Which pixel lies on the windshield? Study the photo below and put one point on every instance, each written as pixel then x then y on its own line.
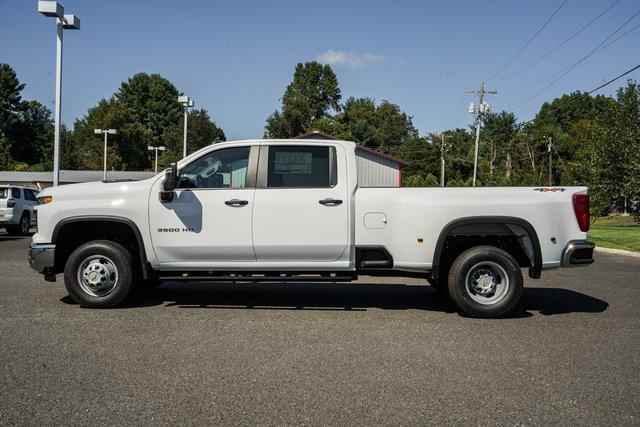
pixel 3 192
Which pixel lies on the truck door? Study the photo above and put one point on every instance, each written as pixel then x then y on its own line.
pixel 209 219
pixel 300 204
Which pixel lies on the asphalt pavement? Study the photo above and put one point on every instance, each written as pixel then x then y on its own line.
pixel 378 351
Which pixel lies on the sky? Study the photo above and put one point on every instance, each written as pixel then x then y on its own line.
pixel 235 58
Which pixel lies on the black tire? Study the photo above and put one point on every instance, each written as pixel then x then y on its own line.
pixel 492 263
pixel 24 227
pixel 110 255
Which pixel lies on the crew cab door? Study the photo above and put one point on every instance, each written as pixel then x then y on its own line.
pixel 209 219
pixel 301 208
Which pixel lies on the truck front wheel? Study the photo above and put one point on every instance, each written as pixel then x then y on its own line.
pixel 485 281
pixel 99 274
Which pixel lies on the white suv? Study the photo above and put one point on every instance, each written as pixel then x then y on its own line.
pixel 16 209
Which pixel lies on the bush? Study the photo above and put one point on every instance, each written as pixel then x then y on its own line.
pixel 413 181
pixel 431 181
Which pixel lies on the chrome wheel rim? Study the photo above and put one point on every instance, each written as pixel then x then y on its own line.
pixel 24 224
pixel 97 276
pixel 487 283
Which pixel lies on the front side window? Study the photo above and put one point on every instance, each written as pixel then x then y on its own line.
pixel 29 195
pixel 301 167
pixel 15 193
pixel 226 168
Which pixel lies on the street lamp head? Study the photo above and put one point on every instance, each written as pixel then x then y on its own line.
pixel 185 101
pixel 51 9
pixel 97 131
pixel 112 131
pixel 161 148
pixel 150 148
pixel 71 22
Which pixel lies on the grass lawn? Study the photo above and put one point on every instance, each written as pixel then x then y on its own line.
pixel 603 221
pixel 627 238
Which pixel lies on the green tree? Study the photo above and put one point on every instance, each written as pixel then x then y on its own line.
pixel 33 135
pixel 312 95
pixel 382 126
pixel 416 180
pixel 11 104
pixel 499 140
pixel 26 129
pixel 201 131
pixel 608 154
pixel 331 126
pixel 145 112
pixel 5 152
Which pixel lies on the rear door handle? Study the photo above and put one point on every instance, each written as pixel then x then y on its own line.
pixel 330 202
pixel 236 202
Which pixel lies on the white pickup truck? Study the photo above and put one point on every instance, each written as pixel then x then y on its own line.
pixel 291 210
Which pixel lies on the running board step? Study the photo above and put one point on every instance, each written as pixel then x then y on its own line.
pixel 257 277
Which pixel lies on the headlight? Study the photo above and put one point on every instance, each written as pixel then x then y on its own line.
pixel 45 200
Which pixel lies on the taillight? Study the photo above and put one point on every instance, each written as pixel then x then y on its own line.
pixel 581 209
pixel 11 203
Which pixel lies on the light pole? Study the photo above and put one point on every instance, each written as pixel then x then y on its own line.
pixel 54 9
pixel 186 103
pixel 105 132
pixel 156 149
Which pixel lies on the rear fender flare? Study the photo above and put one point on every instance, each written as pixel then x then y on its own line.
pixel 534 271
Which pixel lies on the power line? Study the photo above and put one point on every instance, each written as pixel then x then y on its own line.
pixel 613 80
pixel 528 41
pixel 456 112
pixel 548 76
pixel 561 44
pixel 575 64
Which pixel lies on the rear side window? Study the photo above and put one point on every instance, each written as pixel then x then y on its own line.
pixel 3 193
pixel 29 195
pixel 15 193
pixel 301 167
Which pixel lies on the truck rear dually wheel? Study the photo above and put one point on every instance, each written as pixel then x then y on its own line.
pixel 485 281
pixel 99 274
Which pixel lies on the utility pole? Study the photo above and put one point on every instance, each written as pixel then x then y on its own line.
pixel 550 160
pixel 442 159
pixel 479 110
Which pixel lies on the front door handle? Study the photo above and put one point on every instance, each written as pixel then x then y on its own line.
pixel 330 202
pixel 236 202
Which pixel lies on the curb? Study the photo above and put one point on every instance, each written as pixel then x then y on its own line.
pixel 618 252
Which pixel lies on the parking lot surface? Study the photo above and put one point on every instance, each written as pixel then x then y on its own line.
pixel 378 351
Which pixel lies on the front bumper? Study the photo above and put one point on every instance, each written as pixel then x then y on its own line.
pixel 577 253
pixel 41 257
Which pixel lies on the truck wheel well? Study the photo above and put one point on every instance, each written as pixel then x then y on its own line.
pixel 70 234
pixel 514 235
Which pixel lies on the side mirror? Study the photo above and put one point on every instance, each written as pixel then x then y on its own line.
pixel 171 177
pixel 170 183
